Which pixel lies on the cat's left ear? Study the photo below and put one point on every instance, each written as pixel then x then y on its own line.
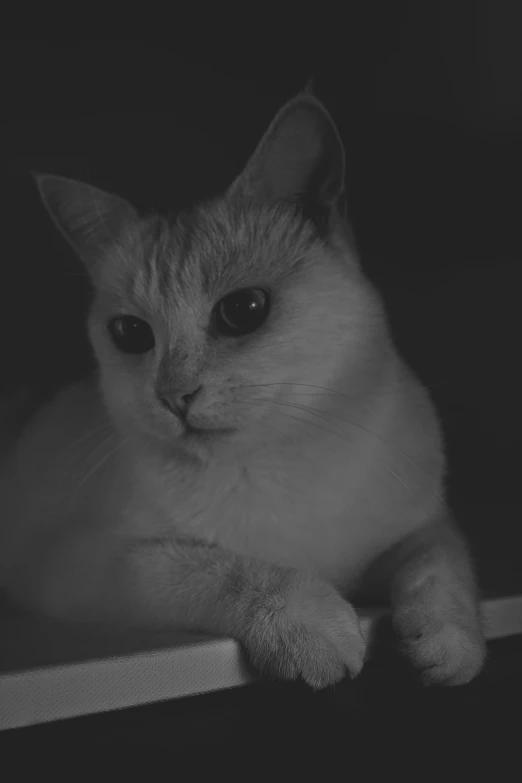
pixel 88 217
pixel 300 159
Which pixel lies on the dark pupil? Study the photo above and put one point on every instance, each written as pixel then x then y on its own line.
pixel 131 335
pixel 242 312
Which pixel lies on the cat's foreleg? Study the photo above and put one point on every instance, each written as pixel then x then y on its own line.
pixel 434 604
pixel 290 623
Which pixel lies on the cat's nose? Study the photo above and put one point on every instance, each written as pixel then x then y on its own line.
pixel 179 401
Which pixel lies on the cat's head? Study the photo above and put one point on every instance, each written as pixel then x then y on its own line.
pixel 217 325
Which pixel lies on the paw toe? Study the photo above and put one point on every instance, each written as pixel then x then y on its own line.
pixel 452 656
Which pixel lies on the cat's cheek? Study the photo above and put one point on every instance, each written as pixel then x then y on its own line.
pixel 124 402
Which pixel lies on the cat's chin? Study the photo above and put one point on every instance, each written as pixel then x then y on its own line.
pixel 200 444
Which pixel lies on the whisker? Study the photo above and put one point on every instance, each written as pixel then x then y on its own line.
pixel 85 440
pixel 329 392
pixel 313 413
pixel 307 409
pixel 310 410
pixel 86 454
pixel 311 424
pixel 325 389
pixel 104 459
pixel 294 418
pixel 349 422
pixel 395 476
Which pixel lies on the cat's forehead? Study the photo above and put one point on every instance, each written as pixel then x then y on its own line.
pixel 216 248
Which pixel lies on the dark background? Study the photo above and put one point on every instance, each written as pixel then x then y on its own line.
pixel 428 100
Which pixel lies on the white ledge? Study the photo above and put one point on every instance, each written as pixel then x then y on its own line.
pixel 49 672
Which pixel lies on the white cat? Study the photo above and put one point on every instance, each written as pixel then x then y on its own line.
pixel 253 450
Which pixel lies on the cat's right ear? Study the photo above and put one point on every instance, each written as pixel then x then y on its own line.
pixel 300 160
pixel 88 217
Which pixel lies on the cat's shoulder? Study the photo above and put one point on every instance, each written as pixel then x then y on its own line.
pixel 64 411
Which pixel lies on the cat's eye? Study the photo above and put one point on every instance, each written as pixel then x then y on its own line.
pixel 241 312
pixel 131 334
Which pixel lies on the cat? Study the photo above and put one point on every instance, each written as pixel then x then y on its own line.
pixel 252 451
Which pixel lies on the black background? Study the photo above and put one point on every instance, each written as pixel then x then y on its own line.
pixel 428 100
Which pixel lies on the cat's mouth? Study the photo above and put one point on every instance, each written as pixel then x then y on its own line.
pixel 190 431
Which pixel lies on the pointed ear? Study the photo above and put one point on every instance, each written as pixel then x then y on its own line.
pixel 309 88
pixel 89 218
pixel 300 159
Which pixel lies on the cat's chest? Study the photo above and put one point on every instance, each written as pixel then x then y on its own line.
pixel 325 518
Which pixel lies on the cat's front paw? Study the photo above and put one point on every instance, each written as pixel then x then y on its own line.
pixel 447 651
pixel 313 633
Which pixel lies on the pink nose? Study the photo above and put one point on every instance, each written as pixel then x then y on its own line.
pixel 178 401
